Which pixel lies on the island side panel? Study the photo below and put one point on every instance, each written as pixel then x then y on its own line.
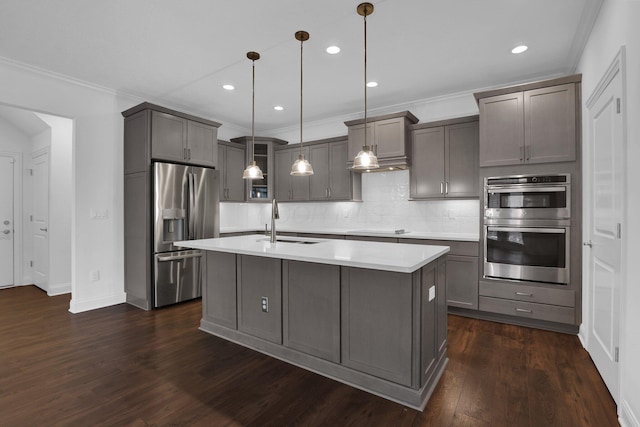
pixel 258 278
pixel 311 308
pixel 219 292
pixel 441 310
pixel 377 317
pixel 427 324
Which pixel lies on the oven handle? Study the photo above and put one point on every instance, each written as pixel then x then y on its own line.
pixel 527 189
pixel 529 230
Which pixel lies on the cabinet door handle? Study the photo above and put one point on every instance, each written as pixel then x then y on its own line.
pixel 523 294
pixel 446 187
pixel 521 154
pixel 326 193
pixel 527 152
pixel 184 153
pixel 441 190
pixel 522 310
pixel 329 191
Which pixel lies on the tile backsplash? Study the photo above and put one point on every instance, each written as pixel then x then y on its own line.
pixel 384 206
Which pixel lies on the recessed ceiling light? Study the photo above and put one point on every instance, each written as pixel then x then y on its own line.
pixel 228 87
pixel 278 108
pixel 372 84
pixel 333 50
pixel 519 49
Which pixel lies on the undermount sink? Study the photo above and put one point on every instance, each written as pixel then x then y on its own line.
pixel 304 242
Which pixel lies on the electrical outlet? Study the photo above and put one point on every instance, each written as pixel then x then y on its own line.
pixel 94 275
pixel 265 304
pixel 432 293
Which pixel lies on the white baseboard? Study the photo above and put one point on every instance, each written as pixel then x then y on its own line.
pixel 59 289
pixel 582 335
pixel 626 417
pixel 76 306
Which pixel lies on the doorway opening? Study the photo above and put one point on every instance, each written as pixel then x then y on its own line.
pixel 36 150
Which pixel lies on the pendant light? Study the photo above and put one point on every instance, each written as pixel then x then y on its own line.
pixel 365 159
pixel 301 167
pixel 253 170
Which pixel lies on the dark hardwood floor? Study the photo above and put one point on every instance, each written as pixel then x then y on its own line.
pixel 124 366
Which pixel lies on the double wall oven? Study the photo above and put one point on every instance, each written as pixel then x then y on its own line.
pixel 526 232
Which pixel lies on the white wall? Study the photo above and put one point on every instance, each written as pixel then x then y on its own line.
pixel 617 25
pixel 60 187
pixel 13 140
pixel 96 174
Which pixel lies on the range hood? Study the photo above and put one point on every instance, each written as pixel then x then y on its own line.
pixel 388 135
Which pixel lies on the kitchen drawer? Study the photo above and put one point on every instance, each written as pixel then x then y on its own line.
pixel 456 247
pixel 535 294
pixel 551 313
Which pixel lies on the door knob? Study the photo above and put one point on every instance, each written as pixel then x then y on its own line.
pixel 588 244
pixel 6 231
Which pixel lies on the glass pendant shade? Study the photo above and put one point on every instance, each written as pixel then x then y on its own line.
pixel 301 167
pixel 365 159
pixel 252 172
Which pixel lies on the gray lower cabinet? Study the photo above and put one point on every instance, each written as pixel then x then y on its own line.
pixel 533 123
pixel 462 271
pixel 288 187
pixel 311 308
pixel 259 287
pixel 445 159
pixel 376 325
pixel 231 158
pixel 219 294
pixel 540 302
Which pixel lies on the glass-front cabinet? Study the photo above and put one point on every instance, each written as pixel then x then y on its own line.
pixel 260 190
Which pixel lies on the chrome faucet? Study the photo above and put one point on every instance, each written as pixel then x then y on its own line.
pixel 274 215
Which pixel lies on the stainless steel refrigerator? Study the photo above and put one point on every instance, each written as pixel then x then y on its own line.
pixel 185 207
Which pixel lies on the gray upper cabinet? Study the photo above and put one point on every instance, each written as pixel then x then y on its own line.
pixel 388 135
pixel 181 140
pixel 288 187
pixel 445 159
pixel 260 190
pixel 157 133
pixel 536 125
pixel 331 179
pixel 231 158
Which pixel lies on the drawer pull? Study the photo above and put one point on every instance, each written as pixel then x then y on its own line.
pixel 523 294
pixel 523 310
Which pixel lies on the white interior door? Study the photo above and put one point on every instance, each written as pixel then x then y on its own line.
pixel 7 163
pixel 40 223
pixel 606 214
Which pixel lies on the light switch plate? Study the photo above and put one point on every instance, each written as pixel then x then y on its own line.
pixel 432 293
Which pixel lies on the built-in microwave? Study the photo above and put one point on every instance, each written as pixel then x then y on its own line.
pixel 536 251
pixel 528 197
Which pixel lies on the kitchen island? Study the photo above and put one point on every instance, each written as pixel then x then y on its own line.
pixel 368 314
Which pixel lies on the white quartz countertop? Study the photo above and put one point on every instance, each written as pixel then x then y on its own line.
pixel 398 257
pixel 408 234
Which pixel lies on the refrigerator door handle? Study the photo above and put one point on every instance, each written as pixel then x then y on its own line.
pixel 192 208
pixel 180 257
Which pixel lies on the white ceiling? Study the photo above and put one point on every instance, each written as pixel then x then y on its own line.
pixel 179 53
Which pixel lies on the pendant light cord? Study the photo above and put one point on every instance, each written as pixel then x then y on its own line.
pixel 253 109
pixel 365 79
pixel 301 43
